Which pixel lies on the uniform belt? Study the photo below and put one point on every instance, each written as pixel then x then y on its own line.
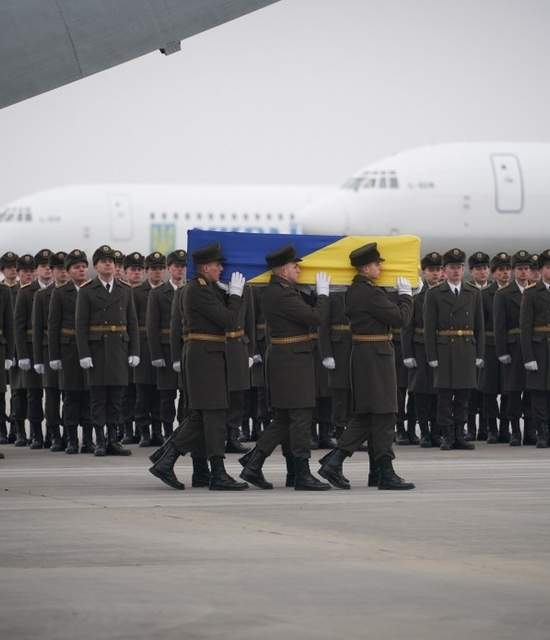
pixel 396 331
pixel 261 327
pixel 456 332
pixel 340 327
pixel 204 337
pixel 545 328
pixel 28 332
pixel 491 334
pixel 68 332
pixel 107 328
pixel 292 339
pixel 314 336
pixel 372 337
pixel 419 331
pixel 165 332
pixel 514 332
pixel 235 334
pixel 142 329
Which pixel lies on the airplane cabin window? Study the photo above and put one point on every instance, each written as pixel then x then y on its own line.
pixel 382 182
pixel 199 216
pixel 187 215
pixel 394 183
pixel 233 216
pixel 151 216
pixel 176 216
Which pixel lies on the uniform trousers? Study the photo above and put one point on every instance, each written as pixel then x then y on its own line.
pixel 76 408
pixel 452 406
pixel 168 405
pixel 341 408
pixel 235 413
pixel 202 429
pixel 292 425
pixel 35 412
pixel 52 406
pixel 106 404
pixel 18 404
pixel 129 403
pixel 377 428
pixel 514 404
pixel 147 408
pixel 425 406
pixel 540 405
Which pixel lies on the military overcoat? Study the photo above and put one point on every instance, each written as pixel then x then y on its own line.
pixel 335 335
pixel 491 377
pixel 40 312
pixel 535 335
pixel 506 310
pixel 6 333
pixel 23 333
pixel 144 372
pixel 159 309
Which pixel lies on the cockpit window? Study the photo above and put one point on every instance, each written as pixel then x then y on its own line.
pixel 373 180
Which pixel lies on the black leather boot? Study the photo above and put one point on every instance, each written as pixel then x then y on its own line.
pixel 304 481
pixel 515 440
pixel 492 431
pixel 435 433
pixel 87 439
pixel 37 436
pixel 163 469
pixel 156 434
pixel 326 441
pixel 447 438
pixel 3 433
pixel 100 444
pixel 425 438
pixel 158 453
pixel 145 433
pixel 401 434
pixel 21 440
pixel 529 432
pixel 290 470
pixel 47 438
pixel 114 448
pixel 460 442
pixel 232 444
pixel 542 436
pixel 314 440
pixel 374 472
pixel 57 444
pixel 471 432
pixel 220 480
pixel 504 431
pixel 253 473
pixel 331 468
pixel 128 433
pixel 245 431
pixel 201 472
pixel 411 432
pixel 389 480
pixel 119 432
pixel 72 440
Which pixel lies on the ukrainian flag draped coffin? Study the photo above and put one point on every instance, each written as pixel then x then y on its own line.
pixel 245 252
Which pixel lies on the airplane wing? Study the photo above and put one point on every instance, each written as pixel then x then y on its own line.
pixel 45 44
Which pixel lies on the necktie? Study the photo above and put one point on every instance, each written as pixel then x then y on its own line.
pixel 108 287
pixel 456 291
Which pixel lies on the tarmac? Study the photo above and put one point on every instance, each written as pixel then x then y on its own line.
pixel 94 548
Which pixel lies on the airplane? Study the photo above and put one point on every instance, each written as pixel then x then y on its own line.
pixel 45 44
pixel 489 196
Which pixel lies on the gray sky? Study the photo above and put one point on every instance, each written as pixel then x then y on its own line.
pixel 304 91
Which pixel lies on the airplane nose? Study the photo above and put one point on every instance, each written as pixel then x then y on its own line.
pixel 326 218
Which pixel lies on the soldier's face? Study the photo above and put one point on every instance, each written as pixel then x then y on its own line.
pixel 521 272
pixel 432 275
pixel 480 274
pixel 502 275
pixel 44 272
pixel 78 272
pixel 25 276
pixel 545 272
pixel 372 270
pixel 212 271
pixel 454 272
pixel 134 275
pixel 177 272
pixel 534 274
pixel 118 270
pixel 105 268
pixel 155 275
pixel 60 275
pixel 10 273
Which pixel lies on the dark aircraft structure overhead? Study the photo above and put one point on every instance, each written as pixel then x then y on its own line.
pixel 45 44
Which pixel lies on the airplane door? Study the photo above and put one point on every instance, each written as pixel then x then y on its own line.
pixel 121 217
pixel 508 183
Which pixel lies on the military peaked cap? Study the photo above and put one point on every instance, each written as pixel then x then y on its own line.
pixel 365 255
pixel 209 253
pixel 103 253
pixel 42 257
pixel 74 257
pixel 179 256
pixel 544 258
pixel 454 256
pixel 433 259
pixel 57 259
pixel 478 259
pixel 134 259
pixel 155 259
pixel 501 259
pixel 283 255
pixel 25 262
pixel 9 259
pixel 521 257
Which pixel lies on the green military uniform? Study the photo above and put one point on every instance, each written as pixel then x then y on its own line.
pixel 6 353
pixel 7 260
pixel 455 340
pixel 259 411
pixel 107 332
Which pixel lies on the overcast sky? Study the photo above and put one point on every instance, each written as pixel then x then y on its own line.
pixel 304 91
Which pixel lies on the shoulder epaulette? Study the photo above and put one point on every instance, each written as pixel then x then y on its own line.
pixel 23 286
pixel 10 286
pixel 85 284
pixel 124 282
pixel 202 282
pixel 530 286
pixel 59 286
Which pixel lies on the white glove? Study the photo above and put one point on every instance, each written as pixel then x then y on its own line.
pixel 8 364
pixel 56 365
pixel 531 365
pixel 480 363
pixel 39 368
pixel 250 362
pixel 176 366
pixel 133 361
pixel 505 359
pixel 159 364
pixel 223 286
pixel 25 364
pixel 404 287
pixel 419 288
pixel 434 364
pixel 410 363
pixel 86 363
pixel 322 283
pixel 236 284
pixel 329 363
pixel 257 359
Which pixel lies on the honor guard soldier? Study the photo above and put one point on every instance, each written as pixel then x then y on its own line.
pixel 535 346
pixel 259 410
pixel 455 343
pixel 206 320
pixel 32 381
pixel 491 375
pixel 63 355
pixel 506 311
pixel 534 268
pixel 118 258
pixel 290 369
pixel 108 341
pixel 147 410
pixel 159 309
pixel 373 373
pixel 8 267
pixel 134 269
pixel 50 377
pixel 414 355
pixel 25 273
pixel 6 353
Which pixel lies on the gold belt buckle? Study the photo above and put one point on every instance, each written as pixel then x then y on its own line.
pixel 460 332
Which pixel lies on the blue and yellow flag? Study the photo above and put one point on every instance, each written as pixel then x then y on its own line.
pixel 245 252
